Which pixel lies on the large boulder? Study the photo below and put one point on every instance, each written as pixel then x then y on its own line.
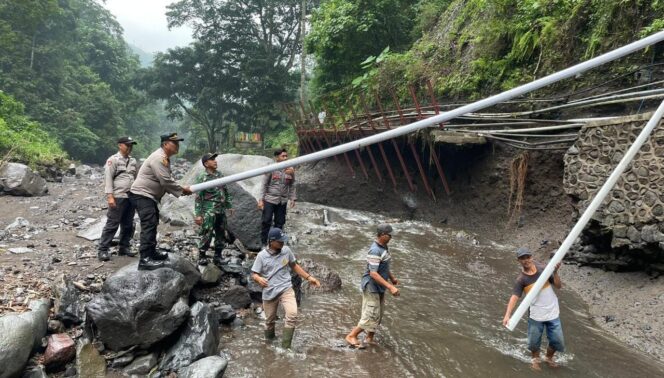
pixel 143 307
pixel 208 367
pixel 246 224
pixel 330 281
pixel 237 296
pixel 198 339
pixel 19 180
pixel 20 334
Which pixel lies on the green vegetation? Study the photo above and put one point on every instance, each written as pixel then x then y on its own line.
pixel 473 48
pixel 23 140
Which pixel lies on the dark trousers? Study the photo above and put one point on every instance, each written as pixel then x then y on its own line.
pixel 121 215
pixel 270 211
pixel 148 213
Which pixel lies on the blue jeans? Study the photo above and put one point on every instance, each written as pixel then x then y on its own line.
pixel 554 333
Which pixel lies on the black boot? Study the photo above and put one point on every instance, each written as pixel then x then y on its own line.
pixel 269 335
pixel 126 251
pixel 202 258
pixel 158 255
pixel 217 257
pixel 103 255
pixel 146 263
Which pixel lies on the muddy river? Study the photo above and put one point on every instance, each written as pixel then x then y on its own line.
pixel 446 323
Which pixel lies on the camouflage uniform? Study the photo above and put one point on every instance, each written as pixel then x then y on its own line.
pixel 211 205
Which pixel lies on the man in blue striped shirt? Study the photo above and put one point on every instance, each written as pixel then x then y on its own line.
pixel 376 279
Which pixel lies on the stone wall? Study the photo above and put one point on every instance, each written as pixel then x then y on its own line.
pixel 627 231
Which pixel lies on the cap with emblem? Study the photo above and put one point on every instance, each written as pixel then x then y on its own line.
pixel 126 140
pixel 208 156
pixel 172 137
pixel 277 234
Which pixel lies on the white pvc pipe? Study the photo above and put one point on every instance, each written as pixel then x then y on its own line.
pixel 585 218
pixel 443 117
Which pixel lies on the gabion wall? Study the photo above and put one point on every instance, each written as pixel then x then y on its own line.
pixel 633 213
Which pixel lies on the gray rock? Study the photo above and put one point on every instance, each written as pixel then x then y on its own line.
pixel 209 367
pixel 225 313
pixel 199 339
pixel 143 307
pixel 35 372
pixel 89 363
pixel 245 198
pixel 21 333
pixel 255 290
pixel 60 350
pixel 141 365
pixel 17 223
pixel 68 307
pixel 83 170
pixel 329 281
pixel 122 361
pixel 20 250
pixel 237 297
pixel 19 180
pixel 633 234
pixel 210 274
pixel 94 230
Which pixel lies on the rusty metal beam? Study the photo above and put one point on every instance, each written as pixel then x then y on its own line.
pixel 414 150
pixel 369 152
pixel 336 134
pixel 432 147
pixel 388 165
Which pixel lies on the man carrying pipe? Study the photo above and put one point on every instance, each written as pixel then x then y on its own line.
pixel 544 310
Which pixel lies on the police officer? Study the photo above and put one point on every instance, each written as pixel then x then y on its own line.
pixel 209 211
pixel 277 191
pixel 153 181
pixel 119 174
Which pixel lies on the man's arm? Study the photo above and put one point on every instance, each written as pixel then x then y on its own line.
pixel 557 283
pixel 510 308
pixel 306 276
pixel 381 281
pixel 109 174
pixel 260 280
pixel 266 181
pixel 393 279
pixel 166 180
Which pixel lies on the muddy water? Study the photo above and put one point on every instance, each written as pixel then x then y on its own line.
pixel 446 323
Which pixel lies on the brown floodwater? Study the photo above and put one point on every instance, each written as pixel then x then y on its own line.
pixel 446 323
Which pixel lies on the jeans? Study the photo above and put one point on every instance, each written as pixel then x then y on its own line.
pixel 554 333
pixel 148 212
pixel 271 210
pixel 121 215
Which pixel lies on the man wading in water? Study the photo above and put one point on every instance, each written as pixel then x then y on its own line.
pixel 271 271
pixel 544 311
pixel 373 285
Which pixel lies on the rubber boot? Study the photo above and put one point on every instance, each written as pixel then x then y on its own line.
pixel 103 255
pixel 287 337
pixel 202 258
pixel 269 335
pixel 126 251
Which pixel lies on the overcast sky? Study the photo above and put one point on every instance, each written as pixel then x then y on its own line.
pixel 145 26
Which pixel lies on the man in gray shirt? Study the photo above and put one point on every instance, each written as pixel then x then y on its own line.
pixel 277 191
pixel 272 271
pixel 119 174
pixel 153 181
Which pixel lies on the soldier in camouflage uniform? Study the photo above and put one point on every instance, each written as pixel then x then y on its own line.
pixel 209 211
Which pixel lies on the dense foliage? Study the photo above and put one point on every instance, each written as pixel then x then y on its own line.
pixel 471 48
pixel 67 62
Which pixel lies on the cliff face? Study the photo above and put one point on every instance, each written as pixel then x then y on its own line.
pixel 627 231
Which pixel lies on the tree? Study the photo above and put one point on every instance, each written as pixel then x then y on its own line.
pixel 197 81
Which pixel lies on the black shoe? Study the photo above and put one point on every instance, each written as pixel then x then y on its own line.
pixel 217 260
pixel 126 251
pixel 160 255
pixel 149 264
pixel 103 256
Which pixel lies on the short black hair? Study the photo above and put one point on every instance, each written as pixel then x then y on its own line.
pixel 280 151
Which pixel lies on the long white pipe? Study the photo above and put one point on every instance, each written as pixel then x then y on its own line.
pixel 443 117
pixel 585 218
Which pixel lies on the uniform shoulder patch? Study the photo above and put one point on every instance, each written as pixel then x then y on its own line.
pixel 164 161
pixel 109 162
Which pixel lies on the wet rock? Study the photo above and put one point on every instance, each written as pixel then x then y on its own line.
pixel 141 365
pixel 69 309
pixel 18 223
pixel 255 290
pixel 83 170
pixel 210 274
pixel 55 326
pixel 143 307
pixel 198 339
pixel 70 371
pixel 209 367
pixel 20 334
pixel 237 297
pixel 122 361
pixel 89 363
pixel 71 169
pixel 232 266
pixel 60 350
pixel 225 313
pixel 19 180
pixel 329 281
